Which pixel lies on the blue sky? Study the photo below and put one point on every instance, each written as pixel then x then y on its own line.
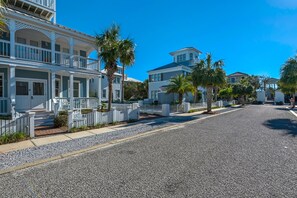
pixel 252 36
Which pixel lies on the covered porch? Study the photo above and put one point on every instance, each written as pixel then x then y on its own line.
pixel 29 89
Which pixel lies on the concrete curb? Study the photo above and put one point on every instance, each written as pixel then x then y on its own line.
pixel 295 114
pixel 107 145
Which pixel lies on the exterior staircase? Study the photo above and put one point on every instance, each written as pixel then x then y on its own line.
pixel 44 118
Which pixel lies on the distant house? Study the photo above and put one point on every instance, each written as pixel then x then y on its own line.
pixel 159 78
pixel 236 77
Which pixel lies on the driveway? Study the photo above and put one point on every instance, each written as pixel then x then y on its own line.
pixel 247 153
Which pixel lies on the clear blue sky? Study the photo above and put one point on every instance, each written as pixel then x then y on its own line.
pixel 252 36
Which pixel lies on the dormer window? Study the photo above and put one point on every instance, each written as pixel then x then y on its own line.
pixel 181 58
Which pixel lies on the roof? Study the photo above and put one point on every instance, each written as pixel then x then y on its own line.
pixel 187 63
pixel 48 22
pixel 184 49
pixel 132 80
pixel 238 74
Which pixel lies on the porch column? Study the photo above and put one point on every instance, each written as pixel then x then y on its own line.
pixel 88 92
pixel 53 47
pixel 52 93
pixel 12 89
pixel 71 90
pixel 71 51
pixel 12 30
pixel 99 91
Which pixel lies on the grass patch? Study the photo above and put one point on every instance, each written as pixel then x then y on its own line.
pixel 5 117
pixel 12 138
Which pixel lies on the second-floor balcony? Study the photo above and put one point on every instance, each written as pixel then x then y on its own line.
pixel 41 55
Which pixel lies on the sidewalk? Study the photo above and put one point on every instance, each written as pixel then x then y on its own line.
pixel 37 142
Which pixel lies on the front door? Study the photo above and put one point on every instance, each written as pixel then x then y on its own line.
pixel 30 94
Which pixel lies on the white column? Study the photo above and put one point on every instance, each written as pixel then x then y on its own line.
pixel 53 47
pixel 12 88
pixel 71 91
pixel 12 30
pixel 71 51
pixel 52 92
pixel 88 92
pixel 99 91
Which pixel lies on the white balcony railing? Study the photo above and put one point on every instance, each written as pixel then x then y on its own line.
pixel 78 103
pixel 45 3
pixel 37 54
pixel 27 52
pixel 62 59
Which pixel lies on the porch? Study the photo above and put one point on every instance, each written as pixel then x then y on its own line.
pixel 24 89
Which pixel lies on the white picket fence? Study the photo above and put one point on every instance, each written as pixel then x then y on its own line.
pixel 24 124
pixel 119 114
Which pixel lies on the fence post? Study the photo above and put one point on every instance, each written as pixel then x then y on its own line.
pixel 114 115
pixel 95 116
pixel 31 124
pixel 187 107
pixel 165 109
pixel 129 110
pixel 70 120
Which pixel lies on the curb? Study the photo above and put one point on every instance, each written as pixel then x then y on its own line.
pixel 107 145
pixel 295 114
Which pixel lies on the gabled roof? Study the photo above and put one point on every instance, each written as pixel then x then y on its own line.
pixel 184 49
pixel 238 74
pixel 188 63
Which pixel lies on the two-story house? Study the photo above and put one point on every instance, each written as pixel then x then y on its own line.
pixel 41 62
pixel 236 77
pixel 159 78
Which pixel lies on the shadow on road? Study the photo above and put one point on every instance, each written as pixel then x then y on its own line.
pixel 287 125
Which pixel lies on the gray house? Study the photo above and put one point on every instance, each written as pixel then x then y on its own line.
pixel 159 78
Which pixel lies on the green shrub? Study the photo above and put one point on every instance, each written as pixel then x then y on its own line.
pixel 86 111
pixel 61 121
pixel 61 113
pixel 11 138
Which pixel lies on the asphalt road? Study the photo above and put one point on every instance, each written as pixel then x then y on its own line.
pixel 247 153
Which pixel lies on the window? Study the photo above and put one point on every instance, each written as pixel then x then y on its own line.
pixel 21 40
pixel 22 88
pixel 191 56
pixel 154 95
pixel 104 93
pixel 34 43
pixel 232 80
pixel 1 85
pixel 76 89
pixel 38 89
pixel 57 88
pixel 155 77
pixel 117 80
pixel 117 94
pixel 181 58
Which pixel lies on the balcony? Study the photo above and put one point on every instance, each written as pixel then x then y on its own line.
pixel 41 55
pixel 45 3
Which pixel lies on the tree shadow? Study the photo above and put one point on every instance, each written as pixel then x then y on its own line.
pixel 287 125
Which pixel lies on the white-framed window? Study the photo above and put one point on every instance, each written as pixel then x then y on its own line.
pixel 21 40
pixel 156 77
pixel 233 80
pixel 57 88
pixel 154 94
pixel 104 93
pixel 117 80
pixel 76 89
pixel 191 56
pixel 181 58
pixel 1 85
pixel 34 43
pixel 118 94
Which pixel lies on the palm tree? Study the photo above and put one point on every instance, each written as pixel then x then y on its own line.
pixel 209 74
pixel 288 80
pixel 127 57
pixel 180 85
pixel 2 11
pixel 108 50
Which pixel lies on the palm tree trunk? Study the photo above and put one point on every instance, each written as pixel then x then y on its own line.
pixel 123 81
pixel 293 101
pixel 180 99
pixel 209 98
pixel 110 80
pixel 216 89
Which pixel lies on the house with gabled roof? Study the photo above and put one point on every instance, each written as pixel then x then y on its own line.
pixel 159 78
pixel 236 77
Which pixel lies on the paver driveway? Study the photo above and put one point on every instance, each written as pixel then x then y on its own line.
pixel 247 153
